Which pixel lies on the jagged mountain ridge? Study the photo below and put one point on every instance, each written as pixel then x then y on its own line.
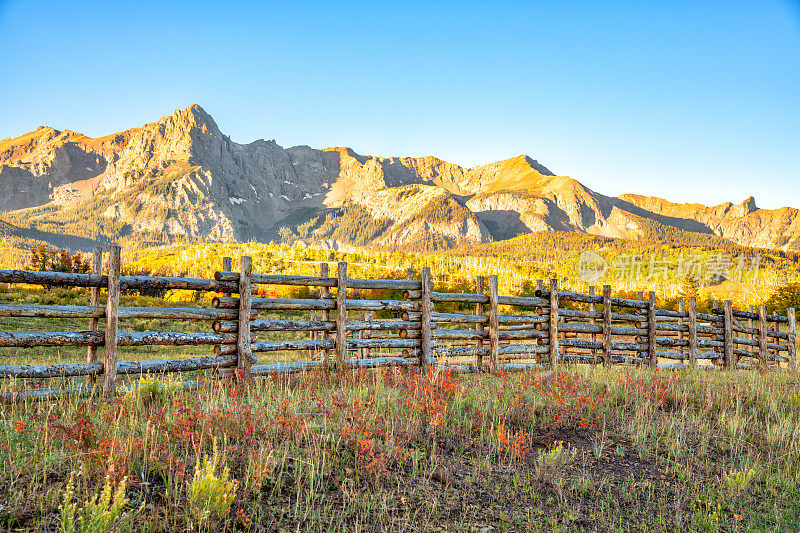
pixel 181 178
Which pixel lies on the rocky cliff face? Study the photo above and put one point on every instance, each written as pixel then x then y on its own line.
pixel 182 178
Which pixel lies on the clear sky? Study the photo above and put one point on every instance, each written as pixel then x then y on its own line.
pixel 691 101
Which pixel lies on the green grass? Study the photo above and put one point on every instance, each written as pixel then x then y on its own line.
pixel 385 450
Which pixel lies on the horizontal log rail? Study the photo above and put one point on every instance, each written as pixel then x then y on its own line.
pixel 69 279
pixel 322 281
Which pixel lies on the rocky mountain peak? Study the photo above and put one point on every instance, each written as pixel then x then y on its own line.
pixel 181 177
pixel 194 117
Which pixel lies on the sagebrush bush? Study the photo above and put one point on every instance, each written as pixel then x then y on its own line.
pixel 210 494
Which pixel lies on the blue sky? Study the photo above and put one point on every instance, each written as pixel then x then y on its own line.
pixel 691 101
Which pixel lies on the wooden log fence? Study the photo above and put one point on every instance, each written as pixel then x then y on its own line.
pixel 496 332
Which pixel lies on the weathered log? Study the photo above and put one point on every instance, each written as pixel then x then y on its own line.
pixel 52 311
pixel 50 371
pixel 385 343
pixel 625 317
pixel 522 301
pixel 494 323
pixel 617 330
pixel 94 301
pixel 169 283
pixel 64 279
pixel 706 343
pixel 73 392
pixel 709 318
pixel 228 326
pixel 323 281
pixel 607 317
pixel 510 367
pixel 671 314
pixel 628 347
pixel 746 314
pixel 304 366
pixel 581 343
pixel 306 304
pixel 523 319
pixel 651 328
pixel 791 339
pixel 341 312
pixel 553 296
pixel 176 365
pixel 575 327
pixel 69 279
pixel 455 318
pixel 459 297
pixel 278 346
pixel 111 336
pixel 318 325
pixel 662 326
pixel 520 327
pixel 324 293
pixel 276 304
pixel 279 279
pixel 224 349
pixel 480 324
pixel 460 334
pixel 167 338
pixel 426 308
pixel 670 355
pixel 569 296
pixel 27 339
pixel 661 341
pixel 692 325
pixel 728 358
pixel 523 348
pixel 412 316
pixel 462 351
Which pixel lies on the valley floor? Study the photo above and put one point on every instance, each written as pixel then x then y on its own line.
pixel 588 450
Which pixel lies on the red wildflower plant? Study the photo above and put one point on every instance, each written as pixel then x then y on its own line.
pixel 429 395
pixel 660 390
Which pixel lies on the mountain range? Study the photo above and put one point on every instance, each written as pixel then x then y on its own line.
pixel 181 178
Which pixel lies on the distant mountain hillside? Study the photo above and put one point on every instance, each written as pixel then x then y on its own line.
pixel 182 179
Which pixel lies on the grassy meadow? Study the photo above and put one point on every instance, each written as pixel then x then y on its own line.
pixel 586 450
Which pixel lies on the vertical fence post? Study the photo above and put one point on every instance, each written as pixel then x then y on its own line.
pixel 554 323
pixel 762 336
pixel 325 292
pixel 643 354
pixel 593 322
pixel 110 351
pixel 227 266
pixel 426 334
pixel 94 300
pixel 341 313
pixel 750 325
pixel 479 289
pixel 607 325
pixel 727 353
pixel 651 329
pixel 312 336
pixel 244 353
pixel 691 308
pixel 681 309
pixel 409 298
pixel 494 325
pixel 791 341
